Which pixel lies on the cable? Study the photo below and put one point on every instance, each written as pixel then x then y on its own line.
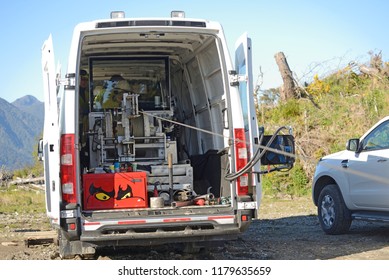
pixel 257 157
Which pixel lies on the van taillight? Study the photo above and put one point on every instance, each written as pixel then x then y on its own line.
pixel 241 160
pixel 68 168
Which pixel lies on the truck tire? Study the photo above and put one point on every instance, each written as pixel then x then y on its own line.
pixel 333 214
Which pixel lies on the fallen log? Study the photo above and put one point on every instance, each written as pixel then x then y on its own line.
pixel 24 181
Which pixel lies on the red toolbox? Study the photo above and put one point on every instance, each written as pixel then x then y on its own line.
pixel 115 190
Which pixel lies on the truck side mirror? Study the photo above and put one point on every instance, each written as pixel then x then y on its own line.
pixel 352 145
pixel 40 150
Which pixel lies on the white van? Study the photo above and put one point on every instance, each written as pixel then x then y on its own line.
pixel 161 146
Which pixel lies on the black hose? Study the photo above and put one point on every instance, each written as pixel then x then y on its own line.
pixel 257 157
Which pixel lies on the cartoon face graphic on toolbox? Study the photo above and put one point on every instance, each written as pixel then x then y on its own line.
pixel 115 190
pixel 116 196
pixel 122 193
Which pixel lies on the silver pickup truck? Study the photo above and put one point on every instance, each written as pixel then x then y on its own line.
pixel 354 183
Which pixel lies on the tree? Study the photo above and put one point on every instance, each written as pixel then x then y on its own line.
pixel 288 90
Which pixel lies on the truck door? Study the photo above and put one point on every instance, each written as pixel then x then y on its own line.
pixel 243 68
pixel 51 133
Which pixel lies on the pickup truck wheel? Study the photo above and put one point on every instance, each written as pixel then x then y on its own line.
pixel 333 214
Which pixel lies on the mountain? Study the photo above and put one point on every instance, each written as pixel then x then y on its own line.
pixel 21 124
pixel 31 105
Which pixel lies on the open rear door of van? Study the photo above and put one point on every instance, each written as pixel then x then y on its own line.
pixel 243 67
pixel 51 133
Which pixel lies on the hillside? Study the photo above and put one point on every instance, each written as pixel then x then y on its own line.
pixel 324 115
pixel 29 104
pixel 21 123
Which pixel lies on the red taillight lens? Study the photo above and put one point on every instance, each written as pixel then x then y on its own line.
pixel 68 168
pixel 241 160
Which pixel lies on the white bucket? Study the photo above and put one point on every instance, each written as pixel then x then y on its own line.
pixel 156 202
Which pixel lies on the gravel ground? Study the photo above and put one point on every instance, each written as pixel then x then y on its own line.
pixel 288 229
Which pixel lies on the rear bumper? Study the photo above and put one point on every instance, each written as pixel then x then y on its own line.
pixel 161 234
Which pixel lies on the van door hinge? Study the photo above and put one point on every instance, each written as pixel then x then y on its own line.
pixel 69 82
pixel 235 78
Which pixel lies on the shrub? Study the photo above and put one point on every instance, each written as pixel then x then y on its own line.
pixel 293 183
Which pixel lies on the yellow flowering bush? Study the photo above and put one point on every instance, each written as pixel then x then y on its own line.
pixel 318 87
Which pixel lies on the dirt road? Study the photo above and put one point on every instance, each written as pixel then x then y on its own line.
pixel 287 230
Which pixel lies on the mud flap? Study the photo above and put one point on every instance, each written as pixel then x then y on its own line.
pixel 244 219
pixel 70 249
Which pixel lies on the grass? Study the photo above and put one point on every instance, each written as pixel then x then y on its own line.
pixel 22 201
pixel 275 208
pixel 22 210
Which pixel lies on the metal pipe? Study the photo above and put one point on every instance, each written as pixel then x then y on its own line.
pixel 170 169
pixel 208 196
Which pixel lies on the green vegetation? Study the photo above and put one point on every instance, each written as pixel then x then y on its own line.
pixel 22 201
pixel 328 112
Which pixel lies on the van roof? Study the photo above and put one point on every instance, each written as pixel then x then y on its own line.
pixel 149 22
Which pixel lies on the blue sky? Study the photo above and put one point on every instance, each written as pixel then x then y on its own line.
pixel 316 36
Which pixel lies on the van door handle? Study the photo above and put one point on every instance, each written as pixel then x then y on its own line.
pixel 344 163
pixel 382 160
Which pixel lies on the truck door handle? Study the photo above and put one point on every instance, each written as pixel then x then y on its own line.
pixel 344 163
pixel 382 160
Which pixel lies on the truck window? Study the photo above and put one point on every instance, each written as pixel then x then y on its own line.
pixel 378 138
